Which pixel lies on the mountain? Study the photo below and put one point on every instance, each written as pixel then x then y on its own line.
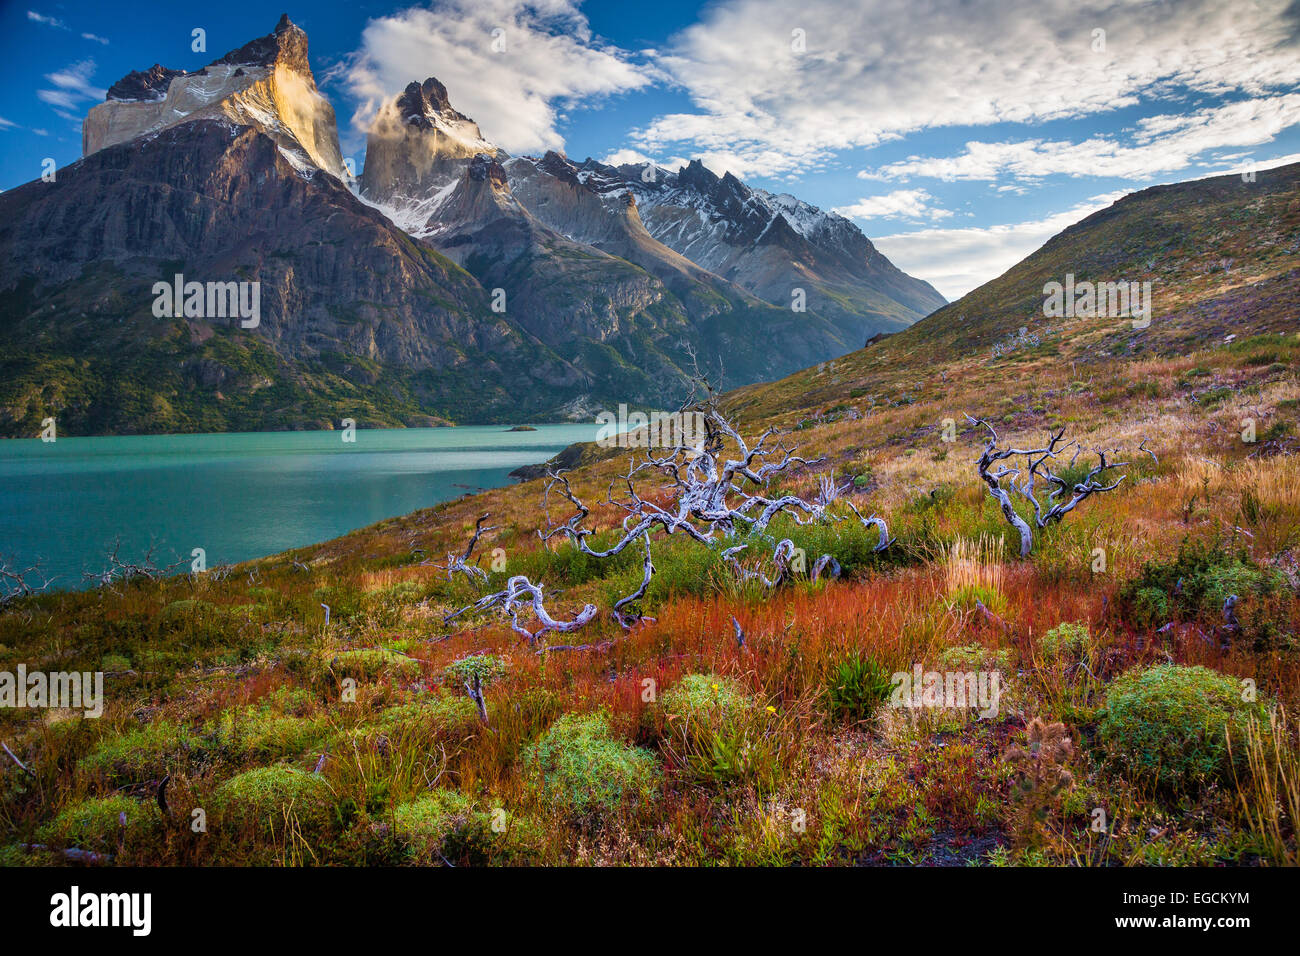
pixel 417 147
pixel 267 84
pixel 769 244
pixel 1220 254
pixel 455 284
pixel 356 318
pixel 574 268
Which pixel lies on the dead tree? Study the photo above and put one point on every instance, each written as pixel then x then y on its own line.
pixel 713 496
pixel 460 563
pixel 474 687
pixel 879 523
pixel 782 560
pixel 18 582
pixel 118 571
pixel 1036 467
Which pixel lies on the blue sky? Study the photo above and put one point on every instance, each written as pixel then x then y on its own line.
pixel 959 134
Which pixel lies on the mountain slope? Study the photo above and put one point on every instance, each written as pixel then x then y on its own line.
pixel 1222 257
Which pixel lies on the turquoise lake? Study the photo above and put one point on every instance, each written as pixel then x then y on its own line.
pixel 239 496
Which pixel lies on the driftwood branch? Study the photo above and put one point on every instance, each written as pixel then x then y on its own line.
pixel 520 592
pixel 118 571
pixel 474 687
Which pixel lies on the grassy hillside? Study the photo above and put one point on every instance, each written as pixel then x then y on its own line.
pixel 673 742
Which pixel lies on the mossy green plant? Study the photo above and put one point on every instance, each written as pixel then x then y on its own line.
pixel 373 663
pixel 446 824
pixel 579 764
pixel 269 799
pixel 102 824
pixel 712 732
pixel 442 716
pixel 257 732
pixel 489 668
pixel 1168 726
pixel 141 754
pixel 1066 643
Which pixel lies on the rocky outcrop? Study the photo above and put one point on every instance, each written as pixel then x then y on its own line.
pixel 143 86
pixel 266 84
pixel 418 146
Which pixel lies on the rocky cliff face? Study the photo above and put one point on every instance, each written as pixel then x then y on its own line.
pixel 266 84
pixel 576 267
pixel 417 147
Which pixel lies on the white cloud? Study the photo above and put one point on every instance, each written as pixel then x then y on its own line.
pixel 48 21
pixel 72 87
pixel 955 261
pixel 7 124
pixel 875 72
pixel 1159 144
pixel 620 157
pixel 915 204
pixel 511 82
pixel 96 39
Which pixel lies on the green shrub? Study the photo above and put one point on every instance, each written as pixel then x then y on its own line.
pixel 446 717
pixel 258 732
pixel 371 663
pixel 190 610
pixel 488 667
pixel 1167 725
pixel 975 657
pixel 115 663
pixel 856 688
pixel 444 824
pixel 578 764
pixel 102 824
pixel 713 733
pixel 1195 584
pixel 142 754
pixel 269 797
pixel 1066 643
pixel 1149 607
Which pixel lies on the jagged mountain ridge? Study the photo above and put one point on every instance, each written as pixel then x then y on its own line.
pixel 764 244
